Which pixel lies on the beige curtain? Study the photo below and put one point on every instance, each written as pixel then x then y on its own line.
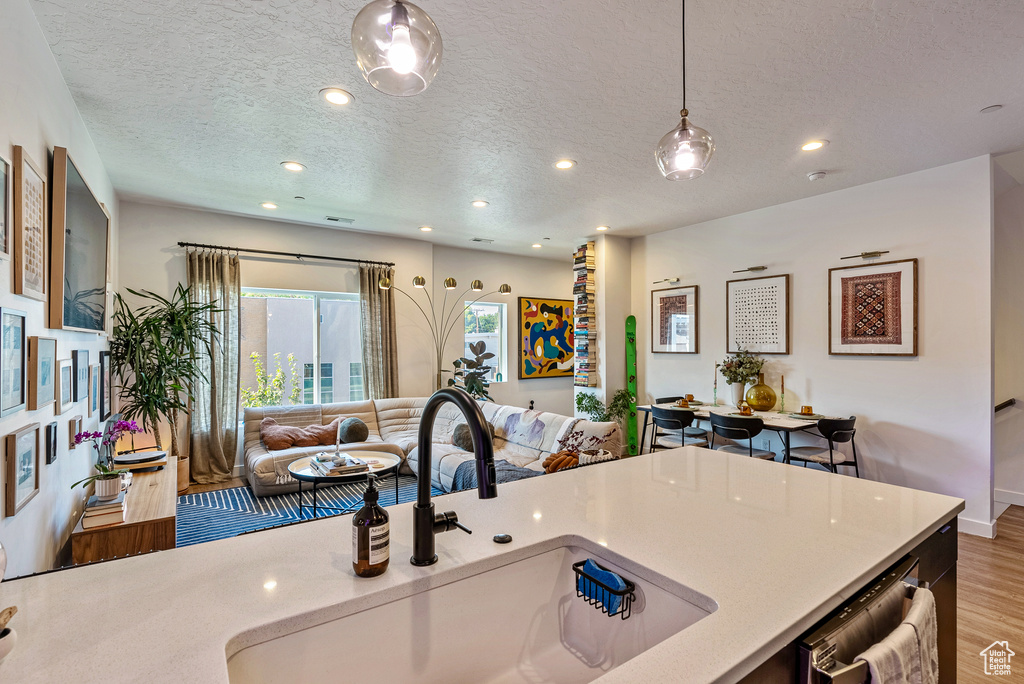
pixel 214 277
pixel 380 343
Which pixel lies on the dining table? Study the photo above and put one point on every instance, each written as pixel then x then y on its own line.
pixel 783 423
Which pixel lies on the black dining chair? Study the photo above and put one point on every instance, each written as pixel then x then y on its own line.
pixel 736 428
pixel 835 431
pixel 674 422
pixel 691 431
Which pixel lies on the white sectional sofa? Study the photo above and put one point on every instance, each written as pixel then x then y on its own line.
pixel 522 437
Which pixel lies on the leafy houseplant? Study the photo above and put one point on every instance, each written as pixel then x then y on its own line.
pixel 158 350
pixel 471 374
pixel 741 368
pixel 269 390
pixel 617 409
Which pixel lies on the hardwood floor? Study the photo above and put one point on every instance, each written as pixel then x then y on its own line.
pixel 990 598
pixel 198 488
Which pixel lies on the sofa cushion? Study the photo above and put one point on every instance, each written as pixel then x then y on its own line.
pixel 526 434
pixel 363 410
pixel 446 458
pixel 399 421
pixel 277 437
pixel 584 434
pixel 462 438
pixel 353 430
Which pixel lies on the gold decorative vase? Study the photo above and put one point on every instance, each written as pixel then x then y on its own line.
pixel 761 397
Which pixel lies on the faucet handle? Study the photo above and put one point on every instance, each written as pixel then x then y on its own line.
pixel 447 521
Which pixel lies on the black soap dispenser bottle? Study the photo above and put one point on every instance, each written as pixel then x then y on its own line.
pixel 370 535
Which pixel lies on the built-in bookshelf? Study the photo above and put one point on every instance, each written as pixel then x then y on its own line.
pixel 583 266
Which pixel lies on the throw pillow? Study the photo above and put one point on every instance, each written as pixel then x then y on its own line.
pixel 462 439
pixel 353 430
pixel 276 436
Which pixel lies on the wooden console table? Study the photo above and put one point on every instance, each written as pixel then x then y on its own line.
pixel 148 520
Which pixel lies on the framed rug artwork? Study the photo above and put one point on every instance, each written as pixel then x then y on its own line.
pixel 674 320
pixel 872 309
pixel 547 335
pixel 757 315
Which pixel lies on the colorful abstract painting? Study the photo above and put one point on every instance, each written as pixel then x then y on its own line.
pixel 873 309
pixel 546 338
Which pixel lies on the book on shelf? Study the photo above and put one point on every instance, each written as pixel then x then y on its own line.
pixel 108 518
pixel 95 505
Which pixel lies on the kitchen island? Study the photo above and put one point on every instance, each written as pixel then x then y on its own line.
pixel 775 547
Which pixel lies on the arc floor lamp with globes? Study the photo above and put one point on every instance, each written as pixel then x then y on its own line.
pixel 442 323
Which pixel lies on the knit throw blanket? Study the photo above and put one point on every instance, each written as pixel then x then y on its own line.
pixel 465 474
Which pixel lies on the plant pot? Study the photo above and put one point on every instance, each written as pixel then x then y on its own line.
pixel 108 489
pixel 8 638
pixel 761 397
pixel 738 393
pixel 182 475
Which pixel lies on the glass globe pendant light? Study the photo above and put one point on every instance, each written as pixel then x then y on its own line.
pixel 685 151
pixel 397 47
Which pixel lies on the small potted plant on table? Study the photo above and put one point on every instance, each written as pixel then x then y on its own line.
pixel 107 478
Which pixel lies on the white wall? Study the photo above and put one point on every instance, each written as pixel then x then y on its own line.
pixel 1008 324
pixel 529 278
pixel 37 112
pixel 923 422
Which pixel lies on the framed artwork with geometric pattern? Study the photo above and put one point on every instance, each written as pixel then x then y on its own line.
pixel 872 309
pixel 674 320
pixel 757 315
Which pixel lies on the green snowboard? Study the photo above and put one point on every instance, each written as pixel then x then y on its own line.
pixel 631 383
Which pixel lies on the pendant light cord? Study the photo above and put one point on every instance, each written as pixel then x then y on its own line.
pixel 683 35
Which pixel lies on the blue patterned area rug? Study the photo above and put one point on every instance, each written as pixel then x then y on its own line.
pixel 229 512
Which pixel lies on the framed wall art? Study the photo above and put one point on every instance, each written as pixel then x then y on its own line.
pixel 79 251
pixel 13 361
pixel 106 387
pixel 42 368
pixel 547 336
pixel 51 442
pixel 65 387
pixel 74 427
pixel 6 208
pixel 22 468
pixel 674 320
pixel 30 229
pixel 872 309
pixel 94 390
pixel 80 366
pixel 757 315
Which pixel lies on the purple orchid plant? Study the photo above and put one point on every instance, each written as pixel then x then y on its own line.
pixel 104 468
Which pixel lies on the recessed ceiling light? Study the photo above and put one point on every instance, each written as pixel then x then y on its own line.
pixel 814 145
pixel 337 96
pixel 815 175
pixel 602 227
pixel 299 197
pixel 564 164
pixel 269 205
pixel 991 108
pixel 536 245
pixel 293 166
pixel 426 229
pixel 479 204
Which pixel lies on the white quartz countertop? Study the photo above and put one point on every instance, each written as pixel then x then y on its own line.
pixel 776 546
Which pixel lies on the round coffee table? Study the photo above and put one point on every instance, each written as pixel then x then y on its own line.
pixel 386 463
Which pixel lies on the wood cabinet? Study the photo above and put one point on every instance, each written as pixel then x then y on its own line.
pixel 148 525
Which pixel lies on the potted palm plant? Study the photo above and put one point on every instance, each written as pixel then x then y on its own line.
pixel 158 351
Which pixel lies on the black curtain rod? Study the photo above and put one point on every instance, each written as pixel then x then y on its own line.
pixel 285 254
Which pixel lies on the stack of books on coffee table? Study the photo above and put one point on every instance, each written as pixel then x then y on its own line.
pixel 104 512
pixel 332 465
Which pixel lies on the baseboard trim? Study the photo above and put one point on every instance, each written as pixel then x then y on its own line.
pixel 1008 497
pixel 977 527
pixel 238 471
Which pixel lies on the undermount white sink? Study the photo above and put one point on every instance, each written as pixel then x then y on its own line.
pixel 520 622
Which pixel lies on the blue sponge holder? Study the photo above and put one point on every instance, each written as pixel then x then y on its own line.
pixel 593 590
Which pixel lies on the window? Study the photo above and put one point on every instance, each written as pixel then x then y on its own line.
pixel 485 322
pixel 355 381
pixel 291 342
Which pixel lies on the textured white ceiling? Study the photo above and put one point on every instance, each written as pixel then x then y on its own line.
pixel 198 101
